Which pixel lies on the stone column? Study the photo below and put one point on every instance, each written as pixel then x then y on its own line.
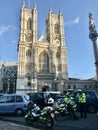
pixel 93 36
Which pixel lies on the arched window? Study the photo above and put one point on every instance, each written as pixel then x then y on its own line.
pixel 90 86
pixel 74 86
pixel 59 67
pixel 58 55
pixel 69 87
pixel 85 87
pixel 56 28
pixel 28 53
pixel 28 68
pixel 29 83
pixel 29 24
pixel 44 62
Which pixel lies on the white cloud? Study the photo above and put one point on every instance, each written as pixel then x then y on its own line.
pixel 6 28
pixel 72 22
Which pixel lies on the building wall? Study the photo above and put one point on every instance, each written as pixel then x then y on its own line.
pixel 80 84
pixel 41 61
pixel 8 77
pixel 9 72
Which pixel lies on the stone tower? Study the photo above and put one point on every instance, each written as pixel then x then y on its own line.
pixel 42 62
pixel 55 37
pixel 93 36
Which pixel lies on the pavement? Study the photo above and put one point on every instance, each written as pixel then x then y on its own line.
pixel 12 126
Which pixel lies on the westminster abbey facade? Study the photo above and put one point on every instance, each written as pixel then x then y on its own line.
pixel 42 62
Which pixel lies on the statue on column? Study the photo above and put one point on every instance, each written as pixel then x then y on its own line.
pixel 92 27
pixel 93 36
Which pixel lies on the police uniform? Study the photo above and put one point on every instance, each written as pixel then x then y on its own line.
pixel 82 103
pixel 71 106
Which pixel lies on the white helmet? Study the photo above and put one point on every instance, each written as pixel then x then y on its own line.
pixel 50 100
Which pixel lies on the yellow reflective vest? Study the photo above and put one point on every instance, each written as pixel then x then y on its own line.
pixel 81 97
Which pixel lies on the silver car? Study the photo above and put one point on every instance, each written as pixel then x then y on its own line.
pixel 14 103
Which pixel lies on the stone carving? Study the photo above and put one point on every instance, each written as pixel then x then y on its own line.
pixel 28 37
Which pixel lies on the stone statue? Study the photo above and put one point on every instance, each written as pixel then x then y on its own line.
pixel 92 27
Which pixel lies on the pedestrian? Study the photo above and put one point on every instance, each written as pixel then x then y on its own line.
pixel 71 106
pixel 82 103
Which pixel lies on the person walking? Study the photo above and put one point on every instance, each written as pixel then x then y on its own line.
pixel 82 103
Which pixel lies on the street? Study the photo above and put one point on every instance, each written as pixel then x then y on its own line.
pixel 89 123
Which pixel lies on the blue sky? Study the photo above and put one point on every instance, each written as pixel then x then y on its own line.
pixel 79 47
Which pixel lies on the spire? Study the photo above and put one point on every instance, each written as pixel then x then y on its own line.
pixel 50 10
pixel 60 13
pixel 35 9
pixel 35 6
pixel 23 3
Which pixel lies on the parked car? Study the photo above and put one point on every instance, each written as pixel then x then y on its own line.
pixel 54 94
pixel 40 98
pixel 14 103
pixel 92 100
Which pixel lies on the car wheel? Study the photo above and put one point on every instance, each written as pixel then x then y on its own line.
pixel 91 108
pixel 19 112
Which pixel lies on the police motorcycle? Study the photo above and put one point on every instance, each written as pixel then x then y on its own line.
pixel 45 116
pixel 62 109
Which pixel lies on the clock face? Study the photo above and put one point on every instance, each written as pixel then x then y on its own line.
pixel 58 43
pixel 28 37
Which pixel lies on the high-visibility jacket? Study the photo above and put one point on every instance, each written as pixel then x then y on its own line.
pixel 68 100
pixel 82 98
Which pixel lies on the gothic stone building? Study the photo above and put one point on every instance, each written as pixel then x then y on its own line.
pixel 8 76
pixel 42 62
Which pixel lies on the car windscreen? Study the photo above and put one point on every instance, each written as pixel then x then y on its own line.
pixel 47 95
pixel 27 98
pixel 2 99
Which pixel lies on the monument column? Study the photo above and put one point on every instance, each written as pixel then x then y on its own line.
pixel 93 36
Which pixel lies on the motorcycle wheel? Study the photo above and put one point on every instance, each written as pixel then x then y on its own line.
pixel 50 123
pixel 28 121
pixel 57 116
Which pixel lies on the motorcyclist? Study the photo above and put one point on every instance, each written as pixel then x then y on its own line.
pixel 70 103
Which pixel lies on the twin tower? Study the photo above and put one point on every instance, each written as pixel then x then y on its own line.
pixel 42 62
